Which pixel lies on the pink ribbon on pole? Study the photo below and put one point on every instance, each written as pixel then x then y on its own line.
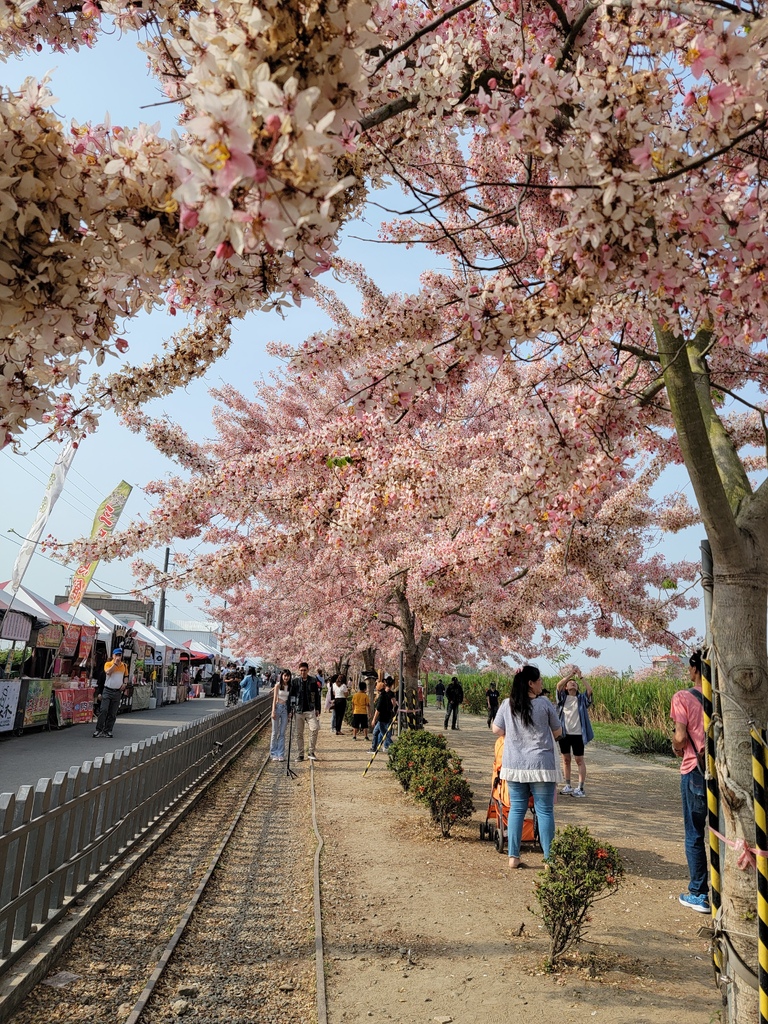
pixel 747 855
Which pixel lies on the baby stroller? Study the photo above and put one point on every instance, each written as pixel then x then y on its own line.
pixel 495 825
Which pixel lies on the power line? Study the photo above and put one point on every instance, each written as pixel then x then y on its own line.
pixel 113 588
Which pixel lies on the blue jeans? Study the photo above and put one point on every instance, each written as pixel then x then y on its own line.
pixel 693 792
pixel 277 743
pixel 379 732
pixel 544 804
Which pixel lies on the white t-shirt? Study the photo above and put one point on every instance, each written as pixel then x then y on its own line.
pixel 114 675
pixel 340 691
pixel 571 717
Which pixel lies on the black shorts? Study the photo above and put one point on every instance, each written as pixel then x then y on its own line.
pixel 572 745
pixel 359 721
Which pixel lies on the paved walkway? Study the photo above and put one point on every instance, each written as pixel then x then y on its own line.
pixel 40 753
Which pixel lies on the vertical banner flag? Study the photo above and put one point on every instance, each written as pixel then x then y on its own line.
pixel 104 523
pixel 52 492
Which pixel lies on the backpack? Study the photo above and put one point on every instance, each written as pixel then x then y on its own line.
pixel 701 757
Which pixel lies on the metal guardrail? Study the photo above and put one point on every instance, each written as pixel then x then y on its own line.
pixel 59 838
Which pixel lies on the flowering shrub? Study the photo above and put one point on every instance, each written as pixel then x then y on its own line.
pixel 440 784
pixel 408 752
pixel 580 871
pixel 433 774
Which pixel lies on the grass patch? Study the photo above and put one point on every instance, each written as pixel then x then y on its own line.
pixel 617 734
pixel 651 741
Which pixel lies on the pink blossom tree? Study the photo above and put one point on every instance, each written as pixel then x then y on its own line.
pixel 591 174
pixel 456 529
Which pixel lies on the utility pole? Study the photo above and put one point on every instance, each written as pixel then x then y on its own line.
pixel 161 607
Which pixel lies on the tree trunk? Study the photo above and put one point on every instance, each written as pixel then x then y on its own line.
pixel 411 661
pixel 341 665
pixel 369 659
pixel 740 602
pixel 736 522
pixel 413 652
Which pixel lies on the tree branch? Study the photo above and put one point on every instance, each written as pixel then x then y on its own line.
pixel 714 467
pixel 573 35
pixel 561 16
pixel 435 23
pixel 389 110
pixel 707 156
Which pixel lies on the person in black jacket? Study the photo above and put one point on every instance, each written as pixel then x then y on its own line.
pixel 455 696
pixel 305 698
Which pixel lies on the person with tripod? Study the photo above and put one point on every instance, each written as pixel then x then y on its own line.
pixel 305 696
pixel 280 694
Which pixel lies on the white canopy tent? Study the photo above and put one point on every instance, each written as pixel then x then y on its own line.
pixel 32 604
pixel 86 616
pixel 200 650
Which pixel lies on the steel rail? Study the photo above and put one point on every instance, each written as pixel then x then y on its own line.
pixel 18 982
pixel 165 958
pixel 140 1005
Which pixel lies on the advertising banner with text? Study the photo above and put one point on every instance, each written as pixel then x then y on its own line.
pixel 104 523
pixel 9 701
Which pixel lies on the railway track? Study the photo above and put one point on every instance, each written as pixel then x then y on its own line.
pixel 221 923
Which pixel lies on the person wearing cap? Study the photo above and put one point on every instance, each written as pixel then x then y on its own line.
pixel 115 673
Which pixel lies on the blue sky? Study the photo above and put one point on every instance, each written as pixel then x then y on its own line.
pixel 113 78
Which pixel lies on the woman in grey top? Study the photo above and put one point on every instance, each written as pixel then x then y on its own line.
pixel 529 724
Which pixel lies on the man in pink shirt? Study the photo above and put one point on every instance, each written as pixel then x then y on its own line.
pixel 687 714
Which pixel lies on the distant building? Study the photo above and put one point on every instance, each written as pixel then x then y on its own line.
pixel 205 632
pixel 122 608
pixel 671 665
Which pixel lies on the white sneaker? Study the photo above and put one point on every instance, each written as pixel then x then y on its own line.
pixel 566 790
pixel 578 792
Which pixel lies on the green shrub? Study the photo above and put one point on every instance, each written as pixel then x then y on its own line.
pixel 407 753
pixel 616 733
pixel 440 784
pixel 433 774
pixel 651 741
pixel 580 871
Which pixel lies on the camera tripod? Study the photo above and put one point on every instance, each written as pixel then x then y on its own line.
pixel 291 715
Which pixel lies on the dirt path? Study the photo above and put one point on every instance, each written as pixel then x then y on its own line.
pixel 422 929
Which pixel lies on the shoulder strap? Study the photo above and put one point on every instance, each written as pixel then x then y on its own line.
pixel 697 694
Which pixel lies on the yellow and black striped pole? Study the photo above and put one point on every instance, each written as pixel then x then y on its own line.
pixel 381 744
pixel 759 777
pixel 713 801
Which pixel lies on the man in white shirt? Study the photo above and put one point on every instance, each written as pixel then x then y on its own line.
pixel 115 672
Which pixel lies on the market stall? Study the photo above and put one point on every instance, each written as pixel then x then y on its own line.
pixel 19 619
pixel 90 656
pixel 64 648
pixel 157 662
pixel 206 656
pixel 74 706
